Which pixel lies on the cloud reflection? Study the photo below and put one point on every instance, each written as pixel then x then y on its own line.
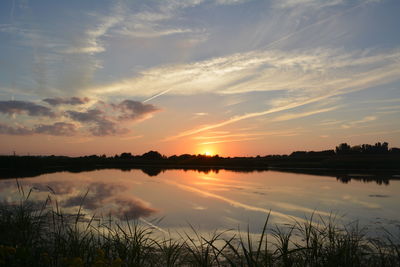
pixel 101 198
pixel 110 199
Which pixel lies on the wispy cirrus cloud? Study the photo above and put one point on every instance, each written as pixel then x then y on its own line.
pixel 366 119
pixel 303 114
pixel 230 2
pixel 157 19
pixel 245 136
pixel 90 41
pixel 309 79
pixel 314 5
pixel 230 141
pixel 306 3
pixel 248 116
pixel 315 71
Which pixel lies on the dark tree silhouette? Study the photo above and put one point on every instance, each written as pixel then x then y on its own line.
pixel 153 155
pixel 126 155
pixel 343 148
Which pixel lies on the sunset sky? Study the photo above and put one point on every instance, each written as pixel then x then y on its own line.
pixel 227 77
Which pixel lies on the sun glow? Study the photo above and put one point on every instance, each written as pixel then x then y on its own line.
pixel 208 153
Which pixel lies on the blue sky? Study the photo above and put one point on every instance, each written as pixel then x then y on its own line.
pixel 237 77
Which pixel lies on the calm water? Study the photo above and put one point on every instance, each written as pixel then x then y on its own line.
pixel 211 201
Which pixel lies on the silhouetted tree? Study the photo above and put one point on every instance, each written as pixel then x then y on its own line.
pixel 126 155
pixel 185 156
pixel 343 148
pixel 154 155
pixel 298 154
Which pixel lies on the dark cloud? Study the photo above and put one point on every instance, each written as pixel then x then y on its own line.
pixel 103 125
pixel 19 107
pixel 92 115
pixel 104 119
pixel 106 127
pixel 132 110
pixel 6 129
pixel 66 101
pixel 58 128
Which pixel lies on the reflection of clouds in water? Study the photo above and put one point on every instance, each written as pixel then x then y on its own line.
pixel 130 208
pixel 57 187
pixel 104 197
pixel 110 199
pixel 97 196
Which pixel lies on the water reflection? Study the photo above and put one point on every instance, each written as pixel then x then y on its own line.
pixel 101 198
pixel 214 199
pixel 380 178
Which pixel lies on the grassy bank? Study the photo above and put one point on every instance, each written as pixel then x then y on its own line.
pixel 33 234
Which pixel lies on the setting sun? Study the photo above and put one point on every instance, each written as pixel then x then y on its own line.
pixel 207 151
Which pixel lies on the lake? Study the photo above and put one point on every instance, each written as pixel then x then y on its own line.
pixel 173 199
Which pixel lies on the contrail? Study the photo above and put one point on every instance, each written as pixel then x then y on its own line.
pixel 157 95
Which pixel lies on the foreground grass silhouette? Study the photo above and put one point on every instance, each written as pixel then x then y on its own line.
pixel 42 235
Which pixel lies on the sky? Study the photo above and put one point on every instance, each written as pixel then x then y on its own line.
pixel 227 77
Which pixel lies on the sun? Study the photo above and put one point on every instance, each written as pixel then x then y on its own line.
pixel 208 153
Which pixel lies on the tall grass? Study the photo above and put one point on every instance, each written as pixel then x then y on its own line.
pixel 43 235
